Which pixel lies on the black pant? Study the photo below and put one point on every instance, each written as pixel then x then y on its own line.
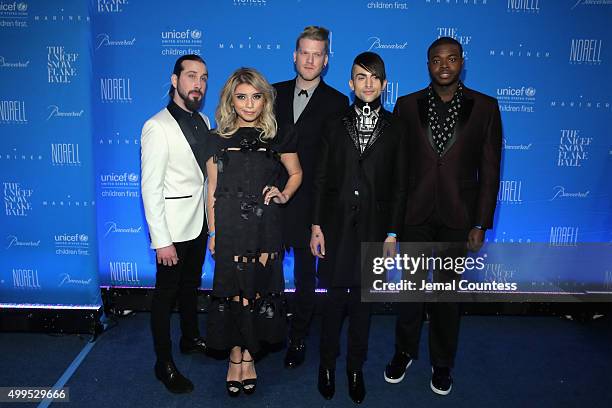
pixel 181 282
pixel 304 274
pixel 444 317
pixel 338 303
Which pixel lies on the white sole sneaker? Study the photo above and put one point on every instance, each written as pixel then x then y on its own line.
pixel 397 380
pixel 438 391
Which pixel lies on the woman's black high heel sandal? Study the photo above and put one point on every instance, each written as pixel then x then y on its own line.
pixel 234 387
pixel 249 384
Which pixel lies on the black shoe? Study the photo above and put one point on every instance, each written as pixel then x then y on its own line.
pixel 190 346
pixel 356 386
pixel 295 354
pixel 249 384
pixel 233 387
pixel 327 382
pixel 175 382
pixel 396 369
pixel 441 380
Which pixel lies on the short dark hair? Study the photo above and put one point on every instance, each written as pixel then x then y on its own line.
pixel 445 41
pixel 178 68
pixel 371 62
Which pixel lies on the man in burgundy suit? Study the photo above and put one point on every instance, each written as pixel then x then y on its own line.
pixel 454 142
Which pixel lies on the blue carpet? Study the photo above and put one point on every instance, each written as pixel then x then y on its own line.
pixel 502 362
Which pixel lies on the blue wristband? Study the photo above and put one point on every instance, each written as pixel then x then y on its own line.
pixel 391 234
pixel 211 233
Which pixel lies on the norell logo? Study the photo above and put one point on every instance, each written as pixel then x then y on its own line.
pixel 115 90
pixel 585 51
pixel 563 236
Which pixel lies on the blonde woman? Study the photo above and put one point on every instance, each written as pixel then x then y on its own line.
pixel 244 224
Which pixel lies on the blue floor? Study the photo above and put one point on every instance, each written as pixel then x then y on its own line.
pixel 502 362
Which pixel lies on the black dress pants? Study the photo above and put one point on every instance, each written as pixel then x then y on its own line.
pixel 304 272
pixel 444 317
pixel 338 303
pixel 179 282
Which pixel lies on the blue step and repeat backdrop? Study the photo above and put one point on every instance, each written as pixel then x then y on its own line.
pixel 79 79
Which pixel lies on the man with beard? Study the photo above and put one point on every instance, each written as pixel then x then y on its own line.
pixel 454 159
pixel 305 102
pixel 174 143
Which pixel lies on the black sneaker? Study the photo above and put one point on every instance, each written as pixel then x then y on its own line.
pixel 441 380
pixel 396 369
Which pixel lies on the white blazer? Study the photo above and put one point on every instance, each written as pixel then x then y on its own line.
pixel 172 183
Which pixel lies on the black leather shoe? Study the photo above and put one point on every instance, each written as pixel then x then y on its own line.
pixel 441 380
pixel 396 369
pixel 295 354
pixel 327 382
pixel 356 386
pixel 190 346
pixel 175 382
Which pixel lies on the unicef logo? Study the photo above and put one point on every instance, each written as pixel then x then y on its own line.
pixel 83 237
pixel 196 34
pixel 22 6
pixel 530 92
pixel 133 177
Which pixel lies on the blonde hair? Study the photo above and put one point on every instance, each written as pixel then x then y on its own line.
pixel 315 33
pixel 226 117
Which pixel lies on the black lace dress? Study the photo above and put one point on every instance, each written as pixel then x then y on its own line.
pixel 245 228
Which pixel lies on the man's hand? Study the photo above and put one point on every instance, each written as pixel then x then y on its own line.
pixel 211 245
pixel 390 247
pixel 475 239
pixel 167 256
pixel 317 242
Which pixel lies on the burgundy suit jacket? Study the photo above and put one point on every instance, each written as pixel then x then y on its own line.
pixel 462 184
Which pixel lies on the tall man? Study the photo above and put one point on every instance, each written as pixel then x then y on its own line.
pixel 454 139
pixel 173 173
pixel 305 102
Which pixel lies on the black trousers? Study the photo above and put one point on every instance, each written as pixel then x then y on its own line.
pixel 444 317
pixel 304 273
pixel 179 282
pixel 338 303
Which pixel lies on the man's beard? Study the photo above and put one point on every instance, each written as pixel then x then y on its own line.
pixel 191 104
